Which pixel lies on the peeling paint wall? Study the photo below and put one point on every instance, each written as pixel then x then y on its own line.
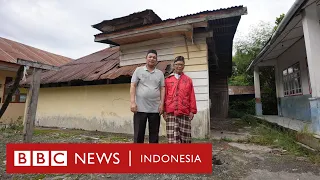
pixel 297 107
pixel 297 53
pixel 100 107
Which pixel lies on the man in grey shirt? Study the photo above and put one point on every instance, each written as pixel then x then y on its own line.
pixel 147 97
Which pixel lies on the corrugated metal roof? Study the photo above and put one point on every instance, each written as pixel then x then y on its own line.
pixel 104 64
pixel 128 18
pixel 10 51
pixel 206 12
pixel 195 15
pixel 128 70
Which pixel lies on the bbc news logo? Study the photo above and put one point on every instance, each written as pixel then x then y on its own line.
pixel 40 158
pixel 108 158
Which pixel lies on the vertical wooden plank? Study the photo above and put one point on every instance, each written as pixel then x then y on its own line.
pixel 31 106
pixel 219 96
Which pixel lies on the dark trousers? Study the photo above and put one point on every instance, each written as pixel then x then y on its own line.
pixel 140 123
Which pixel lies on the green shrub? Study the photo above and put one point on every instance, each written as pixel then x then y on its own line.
pixel 239 108
pixel 250 120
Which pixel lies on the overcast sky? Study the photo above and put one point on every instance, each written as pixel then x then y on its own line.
pixel 64 26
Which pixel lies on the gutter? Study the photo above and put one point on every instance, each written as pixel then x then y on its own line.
pixel 287 18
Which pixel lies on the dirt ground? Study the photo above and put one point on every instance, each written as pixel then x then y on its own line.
pixel 239 160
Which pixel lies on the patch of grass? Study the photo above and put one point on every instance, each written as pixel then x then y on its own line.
pixel 118 139
pixel 37 131
pixel 226 139
pixel 39 176
pixel 270 134
pixel 65 135
pixel 13 126
pixel 275 137
pixel 88 138
pixel 240 123
pixel 250 120
pixel 315 158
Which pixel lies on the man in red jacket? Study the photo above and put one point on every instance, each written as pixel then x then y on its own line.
pixel 179 104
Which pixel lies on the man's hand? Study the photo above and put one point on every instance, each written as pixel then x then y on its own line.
pixel 160 109
pixel 164 116
pixel 191 115
pixel 134 107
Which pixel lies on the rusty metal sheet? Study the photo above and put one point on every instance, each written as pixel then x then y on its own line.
pixel 109 66
pixel 128 70
pixel 108 53
pixel 173 20
pixel 101 65
pixel 10 51
pixel 238 90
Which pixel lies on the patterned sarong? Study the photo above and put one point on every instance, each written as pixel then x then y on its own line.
pixel 178 129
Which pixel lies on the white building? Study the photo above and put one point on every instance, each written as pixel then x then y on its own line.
pixel 294 51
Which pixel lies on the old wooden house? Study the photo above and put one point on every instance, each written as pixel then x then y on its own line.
pixel 92 93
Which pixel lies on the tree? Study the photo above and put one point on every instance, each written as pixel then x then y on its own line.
pixel 246 49
pixel 278 21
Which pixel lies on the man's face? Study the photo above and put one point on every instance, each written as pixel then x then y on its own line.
pixel 178 66
pixel 151 59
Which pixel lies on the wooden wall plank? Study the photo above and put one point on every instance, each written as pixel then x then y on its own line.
pixel 198 37
pixel 162 56
pixel 168 49
pixel 198 74
pixel 201 89
pixel 202 97
pixel 192 68
pixel 202 105
pixel 163 48
pixel 192 61
pixel 200 82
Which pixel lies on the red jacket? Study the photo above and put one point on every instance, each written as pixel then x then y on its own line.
pixel 179 97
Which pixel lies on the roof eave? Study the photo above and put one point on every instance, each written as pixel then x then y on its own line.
pixel 286 20
pixel 163 25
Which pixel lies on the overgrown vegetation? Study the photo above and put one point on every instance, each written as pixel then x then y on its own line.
pixel 16 125
pixel 265 133
pixel 239 108
pixel 246 49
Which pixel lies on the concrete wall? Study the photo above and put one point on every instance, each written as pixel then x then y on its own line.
pixel 14 111
pixel 297 107
pixel 100 107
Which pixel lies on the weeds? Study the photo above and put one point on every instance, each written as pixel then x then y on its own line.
pixel 265 133
pixel 226 139
pixel 15 126
pixel 250 120
pixel 118 139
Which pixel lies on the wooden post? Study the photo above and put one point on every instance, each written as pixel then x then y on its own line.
pixel 31 106
pixel 12 91
pixel 32 99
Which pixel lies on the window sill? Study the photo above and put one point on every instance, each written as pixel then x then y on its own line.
pixel 299 94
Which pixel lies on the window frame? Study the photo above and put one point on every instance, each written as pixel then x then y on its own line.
pixel 291 80
pixel 15 97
